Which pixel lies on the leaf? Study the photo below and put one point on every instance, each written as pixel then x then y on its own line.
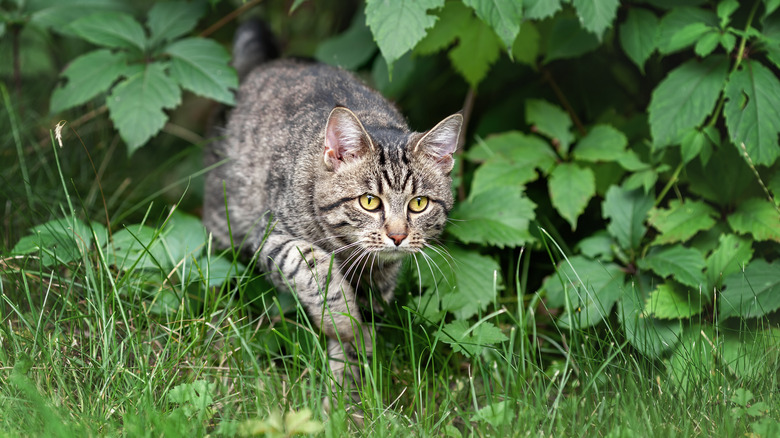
pixel 452 19
pixel 569 40
pixel 681 221
pixel 470 340
pixel 56 15
pixel 601 143
pixel 193 397
pixel 138 247
pixel 398 26
pixel 571 188
pixel 752 111
pixel 724 11
pixel 550 120
pixel 752 293
pixel 694 143
pixel 637 35
pixel 685 98
pixel 301 422
pixel 495 414
pixel 351 49
pixel 731 256
pixel 500 217
pixel 136 104
pixel 596 15
pixel 746 354
pixel 201 66
pixel 589 287
pixel 169 20
pixel 627 210
pixel 667 301
pixel 498 173
pixel 540 9
pixel 707 43
pixel 597 247
pixel 651 336
pixel 59 241
pixel 504 16
pixel 526 47
pixel 516 147
pixel 683 264
pixel 88 75
pixel 478 48
pixel 724 165
pixel 756 217
pixel 682 27
pixel 110 29
pixel 465 281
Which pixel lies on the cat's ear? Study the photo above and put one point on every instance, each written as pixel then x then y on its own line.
pixel 345 138
pixel 441 142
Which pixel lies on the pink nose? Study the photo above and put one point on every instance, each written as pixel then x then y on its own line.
pixel 397 238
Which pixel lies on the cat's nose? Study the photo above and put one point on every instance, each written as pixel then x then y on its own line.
pixel 397 238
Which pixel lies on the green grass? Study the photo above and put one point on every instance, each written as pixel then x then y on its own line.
pixel 92 347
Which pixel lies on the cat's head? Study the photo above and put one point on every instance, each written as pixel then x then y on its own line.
pixel 388 191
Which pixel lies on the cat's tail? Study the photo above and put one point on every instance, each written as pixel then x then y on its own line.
pixel 253 44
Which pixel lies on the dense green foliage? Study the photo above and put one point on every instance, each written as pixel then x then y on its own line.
pixel 617 229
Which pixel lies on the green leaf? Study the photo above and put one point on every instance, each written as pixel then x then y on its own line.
pixel 707 43
pixel 682 27
pixel 731 256
pixel 627 210
pixel 454 17
pixel 637 35
pixel 540 9
pixel 136 104
pixel 59 241
pixel 601 143
pixel 504 16
pixel 752 111
pixel 110 29
pixel 770 38
pixel 569 40
pixel 470 340
pixel 590 287
pixel 684 99
pixel 516 147
pixel 685 265
pixel 756 217
pixel 478 48
pixel 681 220
pixel 201 66
pixel 598 246
pixel 693 143
pixel 351 49
pixel 138 247
pixel 465 281
pixel 571 188
pixel 551 121
pixel 172 19
pixel 724 165
pixel 498 173
pixel 495 414
pixel 56 15
pixel 752 293
pixel 398 26
pixel 596 15
pixel 725 9
pixel 651 336
pixel 499 217
pixel 745 354
pixel 88 75
pixel 193 397
pixel 667 301
pixel 526 47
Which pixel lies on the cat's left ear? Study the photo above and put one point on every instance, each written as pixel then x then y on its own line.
pixel 345 138
pixel 441 142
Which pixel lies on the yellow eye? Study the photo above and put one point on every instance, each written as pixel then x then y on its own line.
pixel 370 202
pixel 418 204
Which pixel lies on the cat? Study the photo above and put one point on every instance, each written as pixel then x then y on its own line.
pixel 327 186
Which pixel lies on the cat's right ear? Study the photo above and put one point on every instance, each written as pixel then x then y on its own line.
pixel 345 138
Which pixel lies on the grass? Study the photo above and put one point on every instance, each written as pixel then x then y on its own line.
pixel 95 344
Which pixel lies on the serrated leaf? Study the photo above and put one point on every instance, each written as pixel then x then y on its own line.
pixel 516 147
pixel 56 15
pixel 452 19
pixel 478 48
pixel 351 49
pixel 201 66
pixel 725 9
pixel 540 9
pixel 693 143
pixel 732 255
pixel 596 15
pixel 681 221
pixel 136 104
pixel 752 111
pixel 707 43
pixel 504 16
pixel 169 20
pixel 470 340
pixel 752 293
pixel 571 188
pixel 668 301
pixel 88 75
pixel 399 25
pixel 627 210
pixel 526 47
pixel 682 27
pixel 601 143
pixel 551 121
pixel 684 99
pixel 758 218
pixel 651 336
pixel 685 265
pixel 498 173
pixel 590 287
pixel 569 40
pixel 110 29
pixel 465 281
pixel 597 246
pixel 500 217
pixel 637 35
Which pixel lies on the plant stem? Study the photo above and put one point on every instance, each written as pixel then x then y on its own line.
pixel 468 108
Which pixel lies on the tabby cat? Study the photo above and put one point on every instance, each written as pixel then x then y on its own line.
pixel 327 186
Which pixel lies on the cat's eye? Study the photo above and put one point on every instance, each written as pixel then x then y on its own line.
pixel 418 204
pixel 370 202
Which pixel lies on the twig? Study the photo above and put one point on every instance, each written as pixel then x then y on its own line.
pixel 468 108
pixel 229 17
pixel 565 102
